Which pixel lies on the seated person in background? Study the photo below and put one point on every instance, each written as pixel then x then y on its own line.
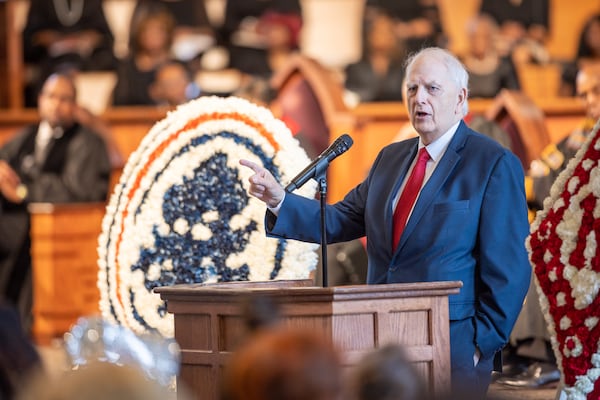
pixel 524 26
pixel 282 364
pixel 151 36
pixel 62 32
pixel 241 16
pixel 378 75
pixel 588 51
pixel 193 33
pixel 57 161
pixel 277 36
pixel 488 71
pixel 173 85
pixel 556 156
pixel 416 22
pixel 530 361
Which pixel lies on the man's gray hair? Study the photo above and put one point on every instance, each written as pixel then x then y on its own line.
pixel 457 70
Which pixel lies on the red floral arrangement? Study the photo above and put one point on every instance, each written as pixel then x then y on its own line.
pixel 563 251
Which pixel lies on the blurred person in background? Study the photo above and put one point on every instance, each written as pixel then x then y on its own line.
pixel 588 52
pixel 61 33
pixel 524 27
pixel 57 160
pixel 151 36
pixel 193 34
pixel 489 72
pixel 173 85
pixel 378 75
pixel 417 23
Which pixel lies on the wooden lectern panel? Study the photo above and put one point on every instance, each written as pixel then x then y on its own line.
pixel 64 241
pixel 209 324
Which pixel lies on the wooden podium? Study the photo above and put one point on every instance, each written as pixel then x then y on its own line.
pixel 64 252
pixel 209 323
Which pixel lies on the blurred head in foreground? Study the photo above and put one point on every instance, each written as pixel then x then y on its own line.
pixel 96 381
pixel 283 364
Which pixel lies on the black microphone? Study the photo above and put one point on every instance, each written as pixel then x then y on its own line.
pixel 319 164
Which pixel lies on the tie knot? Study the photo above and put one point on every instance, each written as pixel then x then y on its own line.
pixel 423 155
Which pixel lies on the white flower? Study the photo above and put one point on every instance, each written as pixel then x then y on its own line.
pixel 565 323
pixel 560 299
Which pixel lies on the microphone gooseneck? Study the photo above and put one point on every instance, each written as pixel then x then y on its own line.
pixel 319 164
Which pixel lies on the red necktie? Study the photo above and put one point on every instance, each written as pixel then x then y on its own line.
pixel 409 195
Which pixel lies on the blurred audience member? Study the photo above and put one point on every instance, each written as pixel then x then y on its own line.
pixel 60 32
pixel 378 75
pixel 283 364
pixel 96 381
pixel 241 17
pixel 173 85
pixel 386 374
pixel 275 37
pixel 588 51
pixel 57 160
pixel 260 33
pixel 19 360
pixel 489 72
pixel 193 34
pixel 151 36
pixel 555 157
pixel 524 26
pixel 416 22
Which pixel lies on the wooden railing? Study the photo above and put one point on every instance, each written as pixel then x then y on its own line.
pixel 371 125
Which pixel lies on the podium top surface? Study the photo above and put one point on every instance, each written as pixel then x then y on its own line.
pixel 304 289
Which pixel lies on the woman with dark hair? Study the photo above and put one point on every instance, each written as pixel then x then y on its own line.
pixel 378 75
pixel 151 36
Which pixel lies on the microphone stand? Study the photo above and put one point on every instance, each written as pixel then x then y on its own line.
pixel 321 178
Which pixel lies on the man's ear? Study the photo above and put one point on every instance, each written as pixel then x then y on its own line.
pixel 462 98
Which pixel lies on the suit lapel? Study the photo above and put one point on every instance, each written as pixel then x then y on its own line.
pixel 429 192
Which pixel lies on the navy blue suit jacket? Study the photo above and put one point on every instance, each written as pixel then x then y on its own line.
pixel 469 224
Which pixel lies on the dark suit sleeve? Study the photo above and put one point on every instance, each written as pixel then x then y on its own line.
pixel 9 153
pixel 504 271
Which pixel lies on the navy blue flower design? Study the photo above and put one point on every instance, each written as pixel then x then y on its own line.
pixel 190 201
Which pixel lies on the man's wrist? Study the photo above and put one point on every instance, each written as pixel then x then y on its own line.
pixel 275 210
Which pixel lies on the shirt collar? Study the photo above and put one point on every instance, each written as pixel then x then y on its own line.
pixel 437 148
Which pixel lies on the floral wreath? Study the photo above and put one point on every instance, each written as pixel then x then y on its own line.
pixel 563 251
pixel 181 212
